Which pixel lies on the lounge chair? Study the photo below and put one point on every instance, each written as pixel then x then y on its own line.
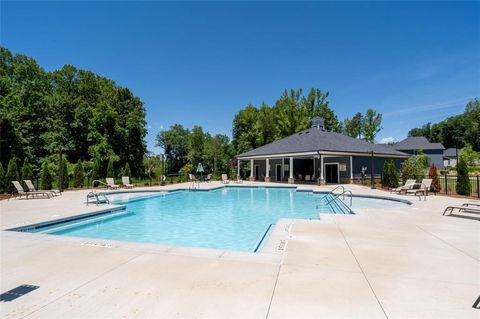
pixel 192 178
pixel 126 182
pixel 408 185
pixel 423 190
pixel 307 178
pixel 208 178
pixel 465 208
pixel 225 179
pixel 31 188
pixel 111 183
pixel 21 192
pixel 238 180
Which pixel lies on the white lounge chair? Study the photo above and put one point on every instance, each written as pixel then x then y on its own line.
pixel 126 182
pixel 208 178
pixel 31 188
pixel 466 207
pixel 111 183
pixel 238 180
pixel 423 190
pixel 21 192
pixel 225 179
pixel 408 185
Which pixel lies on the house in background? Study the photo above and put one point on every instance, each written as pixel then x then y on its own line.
pixel 414 144
pixel 450 157
pixel 316 154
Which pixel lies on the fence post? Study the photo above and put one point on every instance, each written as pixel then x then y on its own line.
pixel 478 186
pixel 446 184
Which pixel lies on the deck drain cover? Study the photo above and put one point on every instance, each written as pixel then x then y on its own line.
pixel 17 292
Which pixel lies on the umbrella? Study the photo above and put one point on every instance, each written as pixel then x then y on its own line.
pixel 200 169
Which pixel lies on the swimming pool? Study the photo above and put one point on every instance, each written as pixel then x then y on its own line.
pixel 233 218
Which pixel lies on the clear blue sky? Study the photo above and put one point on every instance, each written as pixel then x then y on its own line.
pixel 200 63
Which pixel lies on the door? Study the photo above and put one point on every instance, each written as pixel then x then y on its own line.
pixel 278 172
pixel 257 172
pixel 331 173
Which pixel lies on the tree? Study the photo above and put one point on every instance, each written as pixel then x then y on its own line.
pixel 353 127
pixel 96 169
pixel 63 179
pixel 433 174
pixel 78 175
pixel 126 170
pixel 390 175
pixel 463 181
pixel 2 179
pixel 175 144
pixel 186 169
pixel 414 167
pixel 27 170
pixel 111 167
pixel 372 122
pixel 196 144
pixel 12 174
pixel 46 178
pixel 470 156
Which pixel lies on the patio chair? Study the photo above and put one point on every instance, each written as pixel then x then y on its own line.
pixel 126 182
pixel 466 208
pixel 31 188
pixel 21 192
pixel 307 178
pixel 111 183
pixel 192 178
pixel 238 180
pixel 408 185
pixel 225 179
pixel 208 178
pixel 423 190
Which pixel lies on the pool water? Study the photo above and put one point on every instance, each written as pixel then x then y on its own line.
pixel 233 218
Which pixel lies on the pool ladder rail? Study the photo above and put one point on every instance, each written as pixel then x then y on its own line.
pixel 335 199
pixel 97 198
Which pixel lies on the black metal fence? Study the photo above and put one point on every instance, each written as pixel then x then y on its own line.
pixel 448 183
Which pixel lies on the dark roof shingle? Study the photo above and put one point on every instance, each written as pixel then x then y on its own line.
pixel 417 143
pixel 314 139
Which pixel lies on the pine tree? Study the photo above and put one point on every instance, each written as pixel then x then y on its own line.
pixel 110 167
pixel 126 170
pixel 463 181
pixel 433 174
pixel 46 178
pixel 63 179
pixel 96 167
pixel 78 175
pixel 27 170
pixel 390 175
pixel 2 179
pixel 12 174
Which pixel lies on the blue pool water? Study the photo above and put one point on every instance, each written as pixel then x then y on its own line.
pixel 234 218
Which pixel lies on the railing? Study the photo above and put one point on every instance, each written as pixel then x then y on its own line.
pixel 335 198
pixel 99 198
pixel 99 182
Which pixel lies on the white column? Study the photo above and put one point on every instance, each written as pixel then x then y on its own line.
pixel 238 167
pixel 351 167
pixel 321 167
pixel 267 167
pixel 283 168
pixel 314 167
pixel 251 168
pixel 291 167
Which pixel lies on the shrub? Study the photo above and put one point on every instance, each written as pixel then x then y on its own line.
pixel 96 167
pixel 126 170
pixel 27 170
pixel 390 175
pixel 78 175
pixel 62 173
pixel 110 167
pixel 186 169
pixel 12 174
pixel 2 179
pixel 414 167
pixel 46 178
pixel 433 174
pixel 463 182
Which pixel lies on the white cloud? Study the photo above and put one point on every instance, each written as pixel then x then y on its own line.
pixel 387 140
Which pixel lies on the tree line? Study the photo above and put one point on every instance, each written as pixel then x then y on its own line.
pixel 83 116
pixel 254 126
pixel 460 130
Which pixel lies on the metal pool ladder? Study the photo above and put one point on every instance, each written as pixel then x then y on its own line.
pixel 335 199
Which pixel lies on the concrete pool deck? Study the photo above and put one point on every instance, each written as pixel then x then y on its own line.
pixel 408 262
